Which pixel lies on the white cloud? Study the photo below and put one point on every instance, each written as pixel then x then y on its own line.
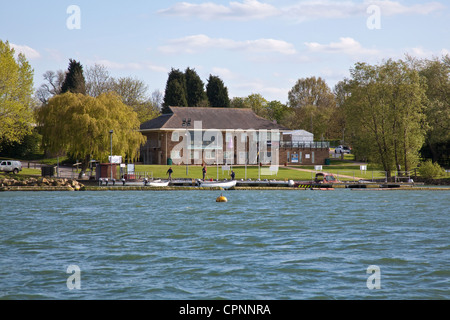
pixel 29 53
pixel 224 73
pixel 422 53
pixel 326 9
pixel 348 46
pixel 268 91
pixel 391 8
pixel 301 11
pixel 198 43
pixel 248 9
pixel 129 65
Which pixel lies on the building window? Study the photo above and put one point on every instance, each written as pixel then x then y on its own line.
pixel 210 154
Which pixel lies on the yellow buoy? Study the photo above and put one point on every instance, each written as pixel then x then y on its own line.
pixel 221 199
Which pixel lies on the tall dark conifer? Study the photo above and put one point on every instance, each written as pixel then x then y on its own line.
pixel 175 93
pixel 195 88
pixel 217 93
pixel 74 81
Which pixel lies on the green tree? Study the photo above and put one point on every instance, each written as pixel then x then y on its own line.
pixel 271 110
pixel 133 91
pixel 195 88
pixel 437 111
pixel 174 96
pixel 175 93
pixel 16 89
pixel 74 81
pixel 258 104
pixel 27 148
pixel 217 93
pixel 239 102
pixel 277 111
pixel 338 121
pixel 80 125
pixel 431 170
pixel 313 104
pixel 385 114
pixel 146 110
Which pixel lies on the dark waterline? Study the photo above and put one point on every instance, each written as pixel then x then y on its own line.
pixel 259 245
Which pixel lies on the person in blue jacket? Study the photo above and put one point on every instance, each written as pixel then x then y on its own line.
pixel 169 172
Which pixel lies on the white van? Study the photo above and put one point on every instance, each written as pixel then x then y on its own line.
pixel 11 166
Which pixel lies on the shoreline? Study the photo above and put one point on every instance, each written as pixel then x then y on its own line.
pixel 185 188
pixel 56 184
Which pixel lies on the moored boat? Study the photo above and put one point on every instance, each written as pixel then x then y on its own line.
pixel 158 183
pixel 218 184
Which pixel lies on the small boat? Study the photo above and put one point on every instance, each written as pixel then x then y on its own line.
pixel 158 183
pixel 218 184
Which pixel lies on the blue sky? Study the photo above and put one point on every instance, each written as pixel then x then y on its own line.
pixel 255 46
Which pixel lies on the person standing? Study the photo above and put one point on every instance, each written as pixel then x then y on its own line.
pixel 232 175
pixel 169 172
pixel 204 172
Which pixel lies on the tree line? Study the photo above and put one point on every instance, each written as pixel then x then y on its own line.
pixel 392 114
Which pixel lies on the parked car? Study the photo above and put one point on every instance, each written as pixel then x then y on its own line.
pixel 342 149
pixel 11 166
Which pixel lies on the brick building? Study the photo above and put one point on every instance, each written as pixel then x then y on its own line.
pixel 224 136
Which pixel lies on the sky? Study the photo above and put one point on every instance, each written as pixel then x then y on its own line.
pixel 254 46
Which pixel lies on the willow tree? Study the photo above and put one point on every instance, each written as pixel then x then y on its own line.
pixel 80 125
pixel 384 113
pixel 16 88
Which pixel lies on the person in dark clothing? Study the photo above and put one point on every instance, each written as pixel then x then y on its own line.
pixel 232 175
pixel 169 172
pixel 204 172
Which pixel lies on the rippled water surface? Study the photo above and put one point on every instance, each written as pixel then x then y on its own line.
pixel 258 245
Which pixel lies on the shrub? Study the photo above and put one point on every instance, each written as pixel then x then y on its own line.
pixel 430 170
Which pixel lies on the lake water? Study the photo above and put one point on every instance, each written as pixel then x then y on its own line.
pixel 277 245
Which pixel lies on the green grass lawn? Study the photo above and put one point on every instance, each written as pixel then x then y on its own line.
pixel 252 172
pixel 195 172
pixel 25 173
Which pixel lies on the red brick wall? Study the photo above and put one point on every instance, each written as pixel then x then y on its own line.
pixel 316 155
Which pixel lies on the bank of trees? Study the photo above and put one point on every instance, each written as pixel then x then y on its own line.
pixel 385 114
pixel 398 112
pixel 393 114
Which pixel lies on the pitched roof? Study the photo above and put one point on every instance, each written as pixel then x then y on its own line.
pixel 212 118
